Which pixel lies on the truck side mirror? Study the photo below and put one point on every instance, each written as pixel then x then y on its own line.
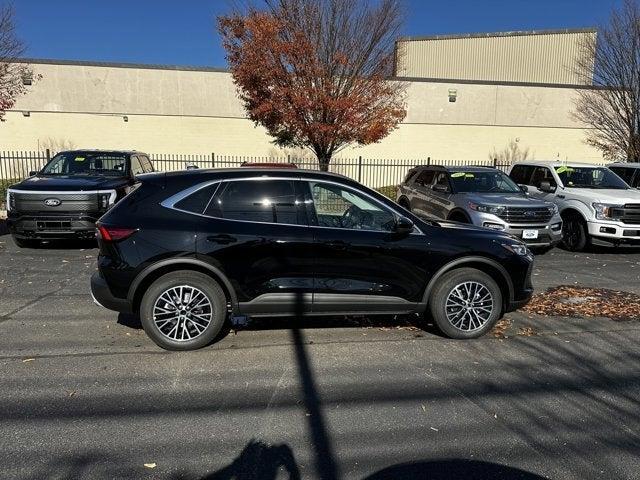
pixel 33 173
pixel 546 187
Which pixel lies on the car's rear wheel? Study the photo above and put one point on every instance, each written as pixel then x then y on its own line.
pixel 574 234
pixel 404 203
pixel 183 310
pixel 465 303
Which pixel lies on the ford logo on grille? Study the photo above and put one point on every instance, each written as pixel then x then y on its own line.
pixel 530 213
pixel 52 202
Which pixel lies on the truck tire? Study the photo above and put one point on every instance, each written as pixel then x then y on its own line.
pixel 574 234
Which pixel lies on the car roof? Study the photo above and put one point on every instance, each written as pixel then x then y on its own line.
pixel 457 168
pixel 556 163
pixel 97 151
pixel 250 172
pixel 624 164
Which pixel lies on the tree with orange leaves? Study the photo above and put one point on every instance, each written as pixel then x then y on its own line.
pixel 315 73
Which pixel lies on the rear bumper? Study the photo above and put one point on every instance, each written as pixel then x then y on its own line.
pixel 103 297
pixel 52 227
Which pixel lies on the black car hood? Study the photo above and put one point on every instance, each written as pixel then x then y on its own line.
pixel 467 229
pixel 70 183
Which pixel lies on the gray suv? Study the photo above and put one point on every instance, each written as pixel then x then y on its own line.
pixel 481 196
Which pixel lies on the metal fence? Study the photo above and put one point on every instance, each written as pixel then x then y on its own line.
pixel 373 172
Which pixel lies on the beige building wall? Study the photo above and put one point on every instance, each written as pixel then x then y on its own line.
pixel 198 112
pixel 547 57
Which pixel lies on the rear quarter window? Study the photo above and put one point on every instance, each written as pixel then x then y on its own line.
pixel 198 201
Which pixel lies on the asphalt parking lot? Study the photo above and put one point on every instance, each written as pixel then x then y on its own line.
pixel 85 394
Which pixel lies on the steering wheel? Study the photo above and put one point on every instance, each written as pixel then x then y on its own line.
pixel 352 217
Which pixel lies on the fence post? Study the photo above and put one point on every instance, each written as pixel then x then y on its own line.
pixel 495 162
pixel 360 168
pixel 213 160
pixel 428 161
pixel 48 155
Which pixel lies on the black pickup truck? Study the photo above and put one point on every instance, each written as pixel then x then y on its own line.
pixel 73 190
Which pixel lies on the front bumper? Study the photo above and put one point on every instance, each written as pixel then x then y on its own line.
pixel 103 297
pixel 522 292
pixel 40 227
pixel 548 234
pixel 614 232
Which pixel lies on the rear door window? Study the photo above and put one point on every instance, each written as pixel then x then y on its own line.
pixel 624 173
pixel 265 201
pixel 521 174
pixel 136 166
pixel 425 178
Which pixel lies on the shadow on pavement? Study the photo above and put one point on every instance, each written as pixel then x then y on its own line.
pixel 451 470
pixel 259 461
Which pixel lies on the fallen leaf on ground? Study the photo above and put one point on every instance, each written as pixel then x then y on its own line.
pixel 28 360
pixel 150 465
pixel 573 301
pixel 500 328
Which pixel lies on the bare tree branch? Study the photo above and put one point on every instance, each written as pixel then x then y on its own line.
pixel 611 63
pixel 11 72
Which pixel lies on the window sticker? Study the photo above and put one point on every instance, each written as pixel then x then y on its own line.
pixel 458 175
pixel 80 159
pixel 564 169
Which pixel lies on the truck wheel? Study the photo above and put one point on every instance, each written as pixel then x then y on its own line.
pixel 183 310
pixel 24 242
pixel 465 303
pixel 574 234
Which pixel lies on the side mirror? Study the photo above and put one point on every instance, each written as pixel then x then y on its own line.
pixel 191 166
pixel 33 173
pixel 545 186
pixel 403 226
pixel 440 188
pixel 524 188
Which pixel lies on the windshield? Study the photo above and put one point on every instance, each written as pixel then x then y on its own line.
pixel 87 163
pixel 489 182
pixel 590 177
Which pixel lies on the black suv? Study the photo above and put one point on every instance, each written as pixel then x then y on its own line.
pixel 186 249
pixel 66 197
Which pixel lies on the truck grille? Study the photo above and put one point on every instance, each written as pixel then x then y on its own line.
pixel 629 214
pixel 71 202
pixel 526 215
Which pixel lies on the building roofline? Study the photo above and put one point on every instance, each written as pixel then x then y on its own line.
pixel 492 82
pixel 145 66
pixel 516 33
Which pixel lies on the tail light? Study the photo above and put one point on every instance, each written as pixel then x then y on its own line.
pixel 114 234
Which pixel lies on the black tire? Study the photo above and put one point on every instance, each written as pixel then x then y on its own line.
pixel 24 242
pixel 446 286
pixel 208 287
pixel 459 217
pixel 404 203
pixel 574 234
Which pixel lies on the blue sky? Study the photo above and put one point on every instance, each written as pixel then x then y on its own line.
pixel 182 32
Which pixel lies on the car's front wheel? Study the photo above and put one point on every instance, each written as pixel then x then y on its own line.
pixel 465 303
pixel 183 310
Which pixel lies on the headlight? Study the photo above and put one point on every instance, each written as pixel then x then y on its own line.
pixel 106 199
pixel 516 248
pixel 605 211
pixel 496 210
pixel 11 201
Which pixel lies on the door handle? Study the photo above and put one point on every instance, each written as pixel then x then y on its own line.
pixel 222 239
pixel 338 244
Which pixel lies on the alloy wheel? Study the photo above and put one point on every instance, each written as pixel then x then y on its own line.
pixel 182 313
pixel 469 306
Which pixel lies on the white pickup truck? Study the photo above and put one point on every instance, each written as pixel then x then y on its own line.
pixel 594 202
